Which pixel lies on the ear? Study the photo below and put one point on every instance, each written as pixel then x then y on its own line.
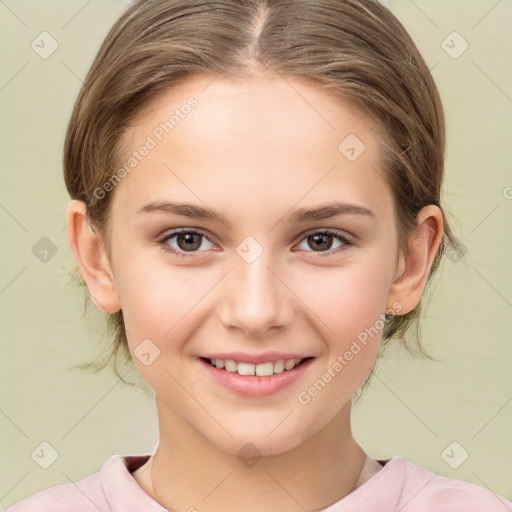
pixel 415 263
pixel 90 255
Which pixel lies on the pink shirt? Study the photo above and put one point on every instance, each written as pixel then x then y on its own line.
pixel 399 486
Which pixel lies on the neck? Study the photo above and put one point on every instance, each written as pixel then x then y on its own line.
pixel 187 472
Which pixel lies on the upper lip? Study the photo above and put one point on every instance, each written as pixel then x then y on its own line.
pixel 265 357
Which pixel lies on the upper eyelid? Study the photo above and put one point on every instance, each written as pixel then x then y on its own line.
pixel 338 232
pixel 347 237
pixel 174 232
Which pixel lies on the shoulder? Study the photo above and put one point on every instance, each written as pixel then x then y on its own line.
pixel 112 488
pixel 85 495
pixel 425 490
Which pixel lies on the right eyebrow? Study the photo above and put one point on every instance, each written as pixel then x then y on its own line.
pixel 187 210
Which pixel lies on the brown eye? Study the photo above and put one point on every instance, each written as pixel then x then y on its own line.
pixel 186 241
pixel 322 241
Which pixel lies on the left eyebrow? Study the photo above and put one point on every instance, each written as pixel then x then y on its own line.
pixel 328 211
pixel 300 215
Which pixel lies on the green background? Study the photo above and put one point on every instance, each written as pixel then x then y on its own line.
pixel 413 408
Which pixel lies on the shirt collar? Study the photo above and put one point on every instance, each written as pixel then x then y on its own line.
pixel 381 492
pixel 122 491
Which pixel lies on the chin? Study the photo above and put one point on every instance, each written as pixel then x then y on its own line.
pixel 257 444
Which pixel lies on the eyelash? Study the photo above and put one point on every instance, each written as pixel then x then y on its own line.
pixel 335 234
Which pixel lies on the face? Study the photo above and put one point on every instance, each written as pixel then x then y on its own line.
pixel 260 281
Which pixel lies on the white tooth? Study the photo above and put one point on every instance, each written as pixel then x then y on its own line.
pixel 265 369
pixel 288 365
pixel 219 363
pixel 279 366
pixel 246 368
pixel 230 365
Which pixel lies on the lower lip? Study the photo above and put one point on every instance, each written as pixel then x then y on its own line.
pixel 252 385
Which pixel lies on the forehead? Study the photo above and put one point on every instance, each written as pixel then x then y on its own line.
pixel 280 109
pixel 268 139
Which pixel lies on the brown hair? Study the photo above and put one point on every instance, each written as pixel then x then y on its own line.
pixel 356 49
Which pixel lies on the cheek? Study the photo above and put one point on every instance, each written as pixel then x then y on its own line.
pixel 350 305
pixel 347 299
pixel 157 298
pixel 160 304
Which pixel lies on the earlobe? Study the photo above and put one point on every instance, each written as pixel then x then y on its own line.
pixel 415 263
pixel 89 253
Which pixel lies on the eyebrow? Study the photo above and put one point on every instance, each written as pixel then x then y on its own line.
pixel 326 211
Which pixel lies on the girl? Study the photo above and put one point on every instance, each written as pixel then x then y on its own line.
pixel 256 202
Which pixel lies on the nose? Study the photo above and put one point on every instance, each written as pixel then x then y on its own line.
pixel 255 298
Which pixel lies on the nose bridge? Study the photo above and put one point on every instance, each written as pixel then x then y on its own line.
pixel 256 297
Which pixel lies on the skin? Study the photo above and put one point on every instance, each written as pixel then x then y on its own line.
pixel 255 150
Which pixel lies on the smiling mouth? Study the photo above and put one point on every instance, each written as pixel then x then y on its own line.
pixel 261 370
